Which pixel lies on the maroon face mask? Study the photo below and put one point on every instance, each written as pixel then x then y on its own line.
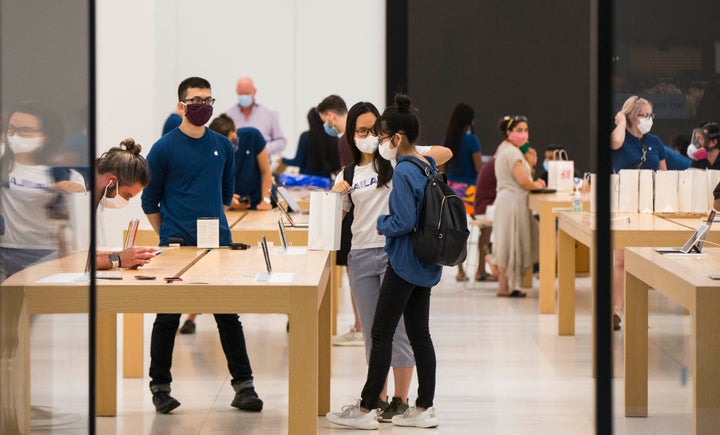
pixel 199 114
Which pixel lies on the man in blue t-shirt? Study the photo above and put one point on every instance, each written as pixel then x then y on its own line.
pixel 192 174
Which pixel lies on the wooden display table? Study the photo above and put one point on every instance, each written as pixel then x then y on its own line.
pixel 684 279
pixel 545 205
pixel 229 289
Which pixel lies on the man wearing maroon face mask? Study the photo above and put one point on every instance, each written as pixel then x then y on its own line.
pixel 192 173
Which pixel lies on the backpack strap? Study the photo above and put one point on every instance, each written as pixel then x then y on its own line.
pixel 424 167
pixel 348 175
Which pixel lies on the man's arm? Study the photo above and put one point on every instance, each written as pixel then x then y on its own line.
pixel 277 142
pixel 265 179
pixel 129 258
pixel 155 220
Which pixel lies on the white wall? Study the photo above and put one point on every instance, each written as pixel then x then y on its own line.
pixel 297 51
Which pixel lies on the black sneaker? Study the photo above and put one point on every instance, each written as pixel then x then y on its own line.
pixel 247 400
pixel 164 402
pixel 396 407
pixel 188 327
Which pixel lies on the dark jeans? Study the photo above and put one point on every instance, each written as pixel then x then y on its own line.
pixel 399 297
pixel 231 338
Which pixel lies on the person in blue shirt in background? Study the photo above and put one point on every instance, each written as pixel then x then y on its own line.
pixel 463 168
pixel 317 152
pixel 193 174
pixel 172 122
pixel 407 284
pixel 253 177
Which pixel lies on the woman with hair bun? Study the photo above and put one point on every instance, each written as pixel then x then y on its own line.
pixel 406 285
pixel 515 248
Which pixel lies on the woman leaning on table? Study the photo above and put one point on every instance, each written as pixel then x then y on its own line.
pixel 632 147
pixel 516 233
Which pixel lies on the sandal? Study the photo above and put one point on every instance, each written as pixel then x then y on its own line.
pixel 486 277
pixel 512 294
pixel 461 277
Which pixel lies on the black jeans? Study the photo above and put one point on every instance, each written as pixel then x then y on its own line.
pixel 231 338
pixel 399 297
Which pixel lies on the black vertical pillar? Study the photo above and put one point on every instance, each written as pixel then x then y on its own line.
pixel 603 15
pixel 396 48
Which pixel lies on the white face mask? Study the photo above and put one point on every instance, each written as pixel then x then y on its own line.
pixel 645 125
pixel 116 201
pixel 386 152
pixel 367 145
pixel 21 145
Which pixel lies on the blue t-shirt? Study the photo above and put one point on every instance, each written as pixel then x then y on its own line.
pixel 189 179
pixel 676 161
pixel 172 122
pixel 406 196
pixel 464 172
pixel 629 154
pixel 247 172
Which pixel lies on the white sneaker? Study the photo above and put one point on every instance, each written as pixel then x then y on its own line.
pixel 414 418
pixel 44 416
pixel 351 416
pixel 350 338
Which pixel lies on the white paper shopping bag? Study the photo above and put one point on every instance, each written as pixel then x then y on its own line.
pixel 614 192
pixel 699 202
pixel 666 191
pixel 684 191
pixel 325 221
pixel 561 172
pixel 645 191
pixel 629 191
pixel 713 178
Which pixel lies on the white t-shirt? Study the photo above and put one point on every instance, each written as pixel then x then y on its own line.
pixel 22 205
pixel 370 202
pixel 421 149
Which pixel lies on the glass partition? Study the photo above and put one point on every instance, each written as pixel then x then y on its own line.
pixel 45 215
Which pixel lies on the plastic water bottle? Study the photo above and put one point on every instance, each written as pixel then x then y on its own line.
pixel 577 202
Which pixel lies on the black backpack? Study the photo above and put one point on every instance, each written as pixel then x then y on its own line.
pixel 346 235
pixel 441 233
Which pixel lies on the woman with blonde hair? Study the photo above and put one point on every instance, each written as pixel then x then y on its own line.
pixel 632 147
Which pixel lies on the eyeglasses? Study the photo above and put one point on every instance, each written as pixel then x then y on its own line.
pixel 513 120
pixel 363 132
pixel 383 136
pixel 197 100
pixel 646 115
pixel 22 131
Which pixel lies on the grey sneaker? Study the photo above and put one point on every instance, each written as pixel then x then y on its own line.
pixel 351 416
pixel 350 338
pixel 414 418
pixel 395 407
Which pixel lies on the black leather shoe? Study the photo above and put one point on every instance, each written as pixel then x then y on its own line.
pixel 164 402
pixel 188 327
pixel 247 400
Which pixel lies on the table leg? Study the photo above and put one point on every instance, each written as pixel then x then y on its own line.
pixel 133 345
pixel 303 361
pixel 547 261
pixel 14 362
pixel 636 347
pixel 706 360
pixel 106 365
pixel 566 284
pixel 325 348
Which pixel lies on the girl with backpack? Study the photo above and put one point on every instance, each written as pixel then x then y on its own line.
pixel 406 283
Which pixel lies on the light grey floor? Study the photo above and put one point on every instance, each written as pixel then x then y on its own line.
pixel 502 369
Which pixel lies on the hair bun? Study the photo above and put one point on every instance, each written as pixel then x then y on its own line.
pixel 402 102
pixel 130 146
